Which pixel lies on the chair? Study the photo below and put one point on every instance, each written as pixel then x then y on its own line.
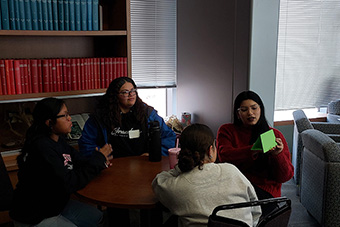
pixel 302 123
pixel 320 180
pixel 277 218
pixel 333 112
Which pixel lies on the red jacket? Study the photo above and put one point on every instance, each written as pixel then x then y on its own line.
pixel 266 171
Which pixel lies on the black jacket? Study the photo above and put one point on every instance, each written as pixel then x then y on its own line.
pixel 51 172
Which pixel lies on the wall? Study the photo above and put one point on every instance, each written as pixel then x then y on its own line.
pixel 212 58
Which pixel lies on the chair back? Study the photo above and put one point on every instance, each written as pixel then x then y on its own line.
pixel 6 188
pixel 277 218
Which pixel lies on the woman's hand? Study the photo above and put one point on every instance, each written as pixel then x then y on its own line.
pixel 106 150
pixel 278 148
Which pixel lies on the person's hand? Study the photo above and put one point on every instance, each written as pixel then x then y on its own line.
pixel 106 150
pixel 278 148
pixel 145 154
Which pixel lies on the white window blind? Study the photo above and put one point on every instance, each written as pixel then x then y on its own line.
pixel 308 61
pixel 153 42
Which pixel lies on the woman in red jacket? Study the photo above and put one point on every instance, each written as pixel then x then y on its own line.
pixel 266 171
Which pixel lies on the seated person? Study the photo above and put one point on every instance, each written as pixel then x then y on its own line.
pixel 266 171
pixel 50 170
pixel 121 119
pixel 197 185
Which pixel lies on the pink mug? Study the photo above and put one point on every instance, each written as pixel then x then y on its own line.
pixel 173 156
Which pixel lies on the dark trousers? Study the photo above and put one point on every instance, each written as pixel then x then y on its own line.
pixel 262 194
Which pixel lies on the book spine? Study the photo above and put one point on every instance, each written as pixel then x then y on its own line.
pixel 22 14
pixel 40 15
pixel 110 70
pixel 34 73
pixel 102 73
pixel 72 15
pixel 55 15
pixel 50 75
pixel 66 16
pixel 1 88
pixel 0 20
pixel 17 14
pixel 40 77
pixel 28 81
pixel 77 19
pixel 10 76
pixel 107 72
pixel 17 76
pixel 95 73
pixel 54 74
pixel 3 77
pixel 86 75
pixel 11 9
pixel 74 74
pixel 82 74
pixel 28 15
pixel 59 76
pixel 125 67
pixel 4 14
pixel 89 15
pixel 95 15
pixel 83 10
pixel 44 14
pixel 45 76
pixel 23 76
pixel 78 65
pixel 61 14
pixel 50 14
pixel 114 68
pixel 34 14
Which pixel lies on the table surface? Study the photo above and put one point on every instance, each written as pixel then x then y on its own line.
pixel 126 184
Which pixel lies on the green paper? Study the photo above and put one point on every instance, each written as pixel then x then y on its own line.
pixel 265 142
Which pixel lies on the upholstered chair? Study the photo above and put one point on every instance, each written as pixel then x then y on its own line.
pixel 333 109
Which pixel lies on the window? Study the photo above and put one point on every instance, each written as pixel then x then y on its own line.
pixel 308 61
pixel 153 42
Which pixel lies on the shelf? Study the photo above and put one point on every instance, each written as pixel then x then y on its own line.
pixel 62 33
pixel 39 96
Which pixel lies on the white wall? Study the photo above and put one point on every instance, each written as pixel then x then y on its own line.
pixel 263 51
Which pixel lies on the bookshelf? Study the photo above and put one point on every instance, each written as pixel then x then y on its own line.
pixel 112 40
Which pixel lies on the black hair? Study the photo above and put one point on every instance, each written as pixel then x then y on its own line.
pixel 195 141
pixel 262 125
pixel 108 111
pixel 45 109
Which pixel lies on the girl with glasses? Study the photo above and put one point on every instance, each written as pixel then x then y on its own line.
pixel 50 170
pixel 266 171
pixel 197 185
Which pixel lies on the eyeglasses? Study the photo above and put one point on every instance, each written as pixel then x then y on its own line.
pixel 244 109
pixel 126 93
pixel 63 115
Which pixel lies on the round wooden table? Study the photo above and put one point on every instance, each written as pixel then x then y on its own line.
pixel 126 184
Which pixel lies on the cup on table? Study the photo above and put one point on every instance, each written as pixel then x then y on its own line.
pixel 173 156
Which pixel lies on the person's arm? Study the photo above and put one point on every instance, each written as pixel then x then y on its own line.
pixel 230 149
pixel 168 136
pixel 282 169
pixel 88 141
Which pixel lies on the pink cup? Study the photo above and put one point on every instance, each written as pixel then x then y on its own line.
pixel 173 158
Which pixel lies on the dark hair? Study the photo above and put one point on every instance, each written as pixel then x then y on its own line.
pixel 108 110
pixel 195 141
pixel 262 124
pixel 45 109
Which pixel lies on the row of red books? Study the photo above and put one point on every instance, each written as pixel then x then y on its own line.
pixel 21 76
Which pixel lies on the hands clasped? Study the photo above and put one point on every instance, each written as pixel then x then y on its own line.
pixel 106 150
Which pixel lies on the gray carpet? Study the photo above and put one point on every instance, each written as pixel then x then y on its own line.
pixel 299 216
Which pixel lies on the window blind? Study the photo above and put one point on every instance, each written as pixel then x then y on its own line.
pixel 308 58
pixel 153 42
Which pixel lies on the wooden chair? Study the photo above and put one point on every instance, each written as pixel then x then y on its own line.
pixel 277 218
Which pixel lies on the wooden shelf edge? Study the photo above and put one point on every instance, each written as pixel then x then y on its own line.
pixel 39 96
pixel 62 33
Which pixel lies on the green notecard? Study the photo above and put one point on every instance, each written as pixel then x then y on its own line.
pixel 265 142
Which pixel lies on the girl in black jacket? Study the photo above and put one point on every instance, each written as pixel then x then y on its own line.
pixel 50 170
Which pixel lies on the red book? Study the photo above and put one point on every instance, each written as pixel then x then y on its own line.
pixel 3 77
pixel 107 72
pixel 67 74
pixel 86 76
pixel 118 68
pixel 34 74
pixel 1 93
pixel 91 75
pixel 64 65
pixel 95 73
pixel 23 76
pixel 40 78
pixel 29 76
pixel 17 76
pixel 115 61
pixel 82 73
pixel 45 76
pixel 59 76
pixel 111 76
pixel 78 73
pixel 74 74
pixel 54 74
pixel 10 76
pixel 50 75
pixel 102 73
pixel 125 67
